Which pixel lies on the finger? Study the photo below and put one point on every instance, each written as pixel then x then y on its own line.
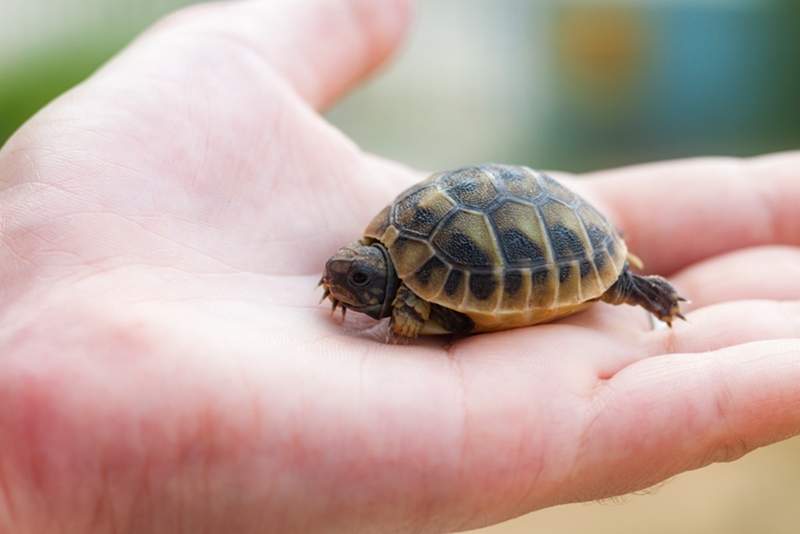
pixel 195 109
pixel 669 414
pixel 751 282
pixel 321 47
pixel 706 329
pixel 729 323
pixel 677 213
pixel 623 334
pixel 756 273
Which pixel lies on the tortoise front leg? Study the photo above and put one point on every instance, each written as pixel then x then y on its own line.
pixel 409 313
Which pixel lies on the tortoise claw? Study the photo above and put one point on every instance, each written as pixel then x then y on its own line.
pixel 325 295
pixel 635 260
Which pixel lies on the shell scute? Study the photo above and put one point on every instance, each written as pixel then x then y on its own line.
pixel 516 289
pixel 466 239
pixel 482 285
pixel 454 282
pixel 520 182
pixel 471 187
pixel 409 254
pixel 543 288
pixel 379 224
pixel 520 248
pixel 420 212
pixel 558 192
pixel 432 274
pixel 565 232
pixel 520 234
pixel 454 289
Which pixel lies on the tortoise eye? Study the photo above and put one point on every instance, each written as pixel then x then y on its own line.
pixel 359 278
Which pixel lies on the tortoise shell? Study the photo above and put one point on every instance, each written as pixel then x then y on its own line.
pixel 505 245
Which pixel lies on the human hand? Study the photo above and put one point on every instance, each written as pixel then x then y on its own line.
pixel 165 366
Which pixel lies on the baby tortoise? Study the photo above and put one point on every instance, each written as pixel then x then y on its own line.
pixel 487 248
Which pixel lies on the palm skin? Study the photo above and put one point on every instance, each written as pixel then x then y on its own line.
pixel 166 366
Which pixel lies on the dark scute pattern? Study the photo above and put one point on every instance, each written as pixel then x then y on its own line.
pixel 470 186
pixel 462 188
pixel 451 320
pixel 564 272
pixel 458 176
pixel 539 278
pixel 482 285
pixel 566 243
pixel 612 248
pixel 520 249
pixel 410 190
pixel 518 182
pixel 586 268
pixel 423 275
pixel 453 282
pixel 512 282
pixel 557 190
pixel 600 260
pixel 413 218
pixel 411 201
pixel 423 220
pixel 465 251
pixel 506 173
pixel 597 237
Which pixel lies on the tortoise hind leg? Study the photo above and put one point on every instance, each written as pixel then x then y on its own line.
pixel 653 293
pixel 446 321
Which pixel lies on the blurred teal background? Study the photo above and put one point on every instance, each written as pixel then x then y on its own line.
pixel 571 84
pixel 579 85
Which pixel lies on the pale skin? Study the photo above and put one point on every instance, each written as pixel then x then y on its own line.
pixel 166 366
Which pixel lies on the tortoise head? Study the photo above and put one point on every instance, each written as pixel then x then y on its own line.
pixel 361 278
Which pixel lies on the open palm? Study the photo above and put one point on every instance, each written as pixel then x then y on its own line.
pixel 166 367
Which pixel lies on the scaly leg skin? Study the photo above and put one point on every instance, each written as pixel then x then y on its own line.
pixel 449 321
pixel 653 293
pixel 409 313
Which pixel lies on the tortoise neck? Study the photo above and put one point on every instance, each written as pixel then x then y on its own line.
pixel 392 282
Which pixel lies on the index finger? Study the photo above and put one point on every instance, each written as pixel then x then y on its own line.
pixel 322 48
pixel 674 214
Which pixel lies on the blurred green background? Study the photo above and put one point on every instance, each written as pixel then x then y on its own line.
pixel 571 84
pixel 568 84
